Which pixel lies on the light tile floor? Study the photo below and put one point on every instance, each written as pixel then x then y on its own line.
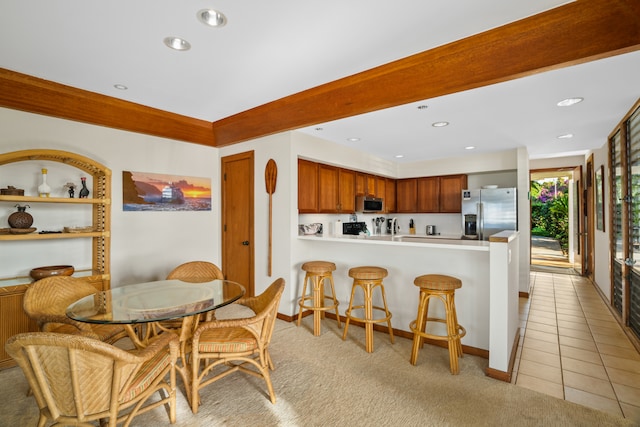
pixel 573 348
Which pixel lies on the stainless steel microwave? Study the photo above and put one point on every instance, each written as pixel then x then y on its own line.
pixel 367 204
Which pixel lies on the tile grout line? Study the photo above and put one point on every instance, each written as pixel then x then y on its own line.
pixel 555 311
pixel 573 285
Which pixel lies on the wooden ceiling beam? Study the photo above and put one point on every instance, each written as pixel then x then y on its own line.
pixel 27 93
pixel 575 33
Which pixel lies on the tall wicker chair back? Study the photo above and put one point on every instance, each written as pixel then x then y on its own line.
pixel 222 347
pixel 77 380
pixel 46 302
pixel 196 271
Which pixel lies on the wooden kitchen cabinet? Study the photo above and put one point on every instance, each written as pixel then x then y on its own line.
pixel 328 188
pixel 406 195
pixel 307 186
pixel 381 188
pixel 390 195
pixel 360 184
pixel 428 194
pixel 451 187
pixel 347 193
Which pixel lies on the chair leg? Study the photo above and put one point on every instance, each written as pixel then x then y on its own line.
pixel 318 301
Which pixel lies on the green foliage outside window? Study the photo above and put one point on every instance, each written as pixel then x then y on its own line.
pixel 550 211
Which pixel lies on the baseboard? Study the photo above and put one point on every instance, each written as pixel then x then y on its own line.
pixel 506 376
pixel 396 332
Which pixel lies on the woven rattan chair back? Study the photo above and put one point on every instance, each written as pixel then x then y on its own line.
pixel 222 347
pixel 196 271
pixel 76 379
pixel 46 302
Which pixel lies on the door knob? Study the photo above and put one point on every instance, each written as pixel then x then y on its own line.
pixel 246 243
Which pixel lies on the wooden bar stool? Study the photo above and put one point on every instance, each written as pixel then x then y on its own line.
pixel 317 272
pixel 368 278
pixel 443 288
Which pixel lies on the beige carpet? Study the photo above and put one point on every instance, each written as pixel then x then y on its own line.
pixel 324 381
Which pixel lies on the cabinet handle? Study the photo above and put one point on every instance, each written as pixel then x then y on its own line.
pixel 245 243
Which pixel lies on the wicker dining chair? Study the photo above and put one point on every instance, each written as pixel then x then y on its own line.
pixel 236 344
pixel 196 271
pixel 76 380
pixel 46 302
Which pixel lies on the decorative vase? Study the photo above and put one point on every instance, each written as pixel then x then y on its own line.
pixel 21 218
pixel 84 191
pixel 43 189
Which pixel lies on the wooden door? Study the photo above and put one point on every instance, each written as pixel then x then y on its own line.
pixel 406 193
pixel 370 184
pixel 347 184
pixel 307 186
pixel 451 187
pixel 428 190
pixel 381 188
pixel 328 197
pixel 238 219
pixel 390 195
pixel 360 184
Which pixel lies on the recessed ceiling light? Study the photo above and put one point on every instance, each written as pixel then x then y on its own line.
pixel 212 18
pixel 470 147
pixel 177 43
pixel 565 136
pixel 440 124
pixel 569 102
pixel 120 87
pixel 353 139
pixel 399 156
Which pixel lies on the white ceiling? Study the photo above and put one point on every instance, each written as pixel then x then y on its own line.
pixel 269 50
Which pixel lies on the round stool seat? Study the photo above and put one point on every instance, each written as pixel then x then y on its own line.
pixel 437 282
pixel 318 267
pixel 368 273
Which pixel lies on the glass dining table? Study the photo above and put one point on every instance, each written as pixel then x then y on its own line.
pixel 165 306
pixel 152 303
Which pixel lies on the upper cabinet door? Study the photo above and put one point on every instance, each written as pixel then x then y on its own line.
pixel 307 186
pixel 428 190
pixel 406 195
pixel 390 195
pixel 328 189
pixel 347 196
pixel 451 187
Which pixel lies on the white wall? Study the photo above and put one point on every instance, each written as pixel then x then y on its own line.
pixel 144 245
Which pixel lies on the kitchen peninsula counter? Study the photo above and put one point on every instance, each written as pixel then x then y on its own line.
pixel 486 304
pixel 415 240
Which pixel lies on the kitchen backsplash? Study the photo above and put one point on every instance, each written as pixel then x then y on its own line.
pixel 450 224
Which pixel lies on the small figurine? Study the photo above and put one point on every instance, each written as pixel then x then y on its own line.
pixel 84 191
pixel 71 188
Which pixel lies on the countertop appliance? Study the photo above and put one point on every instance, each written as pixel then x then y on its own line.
pixel 354 228
pixel 368 204
pixel 488 211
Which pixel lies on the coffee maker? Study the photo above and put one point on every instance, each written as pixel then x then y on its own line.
pixel 470 226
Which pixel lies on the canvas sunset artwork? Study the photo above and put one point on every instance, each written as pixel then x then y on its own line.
pixel 143 191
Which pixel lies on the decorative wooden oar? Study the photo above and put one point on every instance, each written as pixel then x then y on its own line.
pixel 270 178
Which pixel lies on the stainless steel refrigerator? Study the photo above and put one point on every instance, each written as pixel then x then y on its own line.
pixel 488 211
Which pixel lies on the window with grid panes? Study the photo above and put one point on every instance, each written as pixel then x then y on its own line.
pixel 633 171
pixel 617 252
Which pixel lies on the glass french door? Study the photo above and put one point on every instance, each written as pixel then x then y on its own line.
pixel 625 220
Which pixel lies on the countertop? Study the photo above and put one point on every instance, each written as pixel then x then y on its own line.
pixel 414 240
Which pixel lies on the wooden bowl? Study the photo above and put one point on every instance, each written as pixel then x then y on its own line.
pixel 51 270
